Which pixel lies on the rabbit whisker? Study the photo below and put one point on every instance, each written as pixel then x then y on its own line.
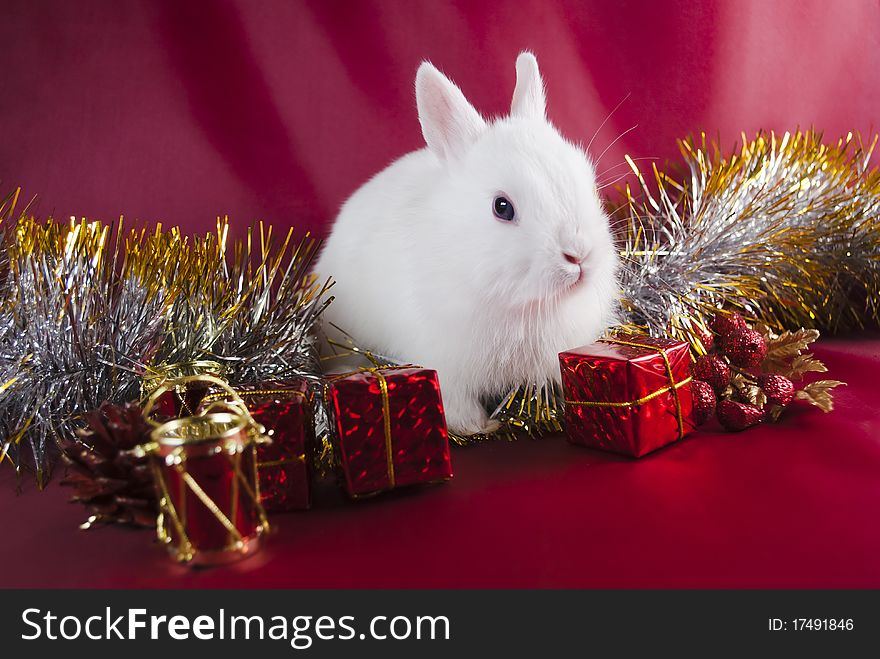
pixel 605 120
pixel 614 141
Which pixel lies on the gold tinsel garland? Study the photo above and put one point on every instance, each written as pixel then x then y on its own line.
pixel 87 311
pixel 785 230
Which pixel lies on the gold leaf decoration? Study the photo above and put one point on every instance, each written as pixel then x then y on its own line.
pixel 803 364
pixel 748 390
pixel 783 348
pixel 818 393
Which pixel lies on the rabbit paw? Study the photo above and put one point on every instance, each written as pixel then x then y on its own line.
pixel 466 416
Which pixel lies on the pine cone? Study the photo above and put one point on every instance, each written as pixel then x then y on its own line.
pixel 115 486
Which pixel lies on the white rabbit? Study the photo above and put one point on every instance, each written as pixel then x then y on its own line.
pixel 481 256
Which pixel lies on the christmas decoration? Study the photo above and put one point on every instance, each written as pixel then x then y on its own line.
pixel 180 388
pixel 704 338
pixel 387 428
pixel 251 308
pixel 531 409
pixel 114 485
pixel 89 314
pixel 283 409
pixel 283 466
pixel 627 393
pixel 787 357
pixel 786 230
pixel 753 373
pixel 725 324
pixel 734 415
pixel 713 370
pixel 204 468
pixel 745 348
pixel 778 389
pixel 705 401
pixel 74 327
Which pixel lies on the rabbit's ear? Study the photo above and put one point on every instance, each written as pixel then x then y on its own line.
pixel 449 123
pixel 528 96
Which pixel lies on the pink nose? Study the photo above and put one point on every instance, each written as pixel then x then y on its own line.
pixel 571 258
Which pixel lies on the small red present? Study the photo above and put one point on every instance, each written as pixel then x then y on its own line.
pixel 388 428
pixel 626 394
pixel 285 410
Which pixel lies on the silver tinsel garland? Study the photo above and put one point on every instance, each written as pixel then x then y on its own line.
pixel 252 310
pixel 88 316
pixel 786 230
pixel 74 334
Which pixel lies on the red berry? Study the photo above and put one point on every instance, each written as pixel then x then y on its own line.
pixel 778 389
pixel 727 323
pixel 706 337
pixel 704 401
pixel 745 348
pixel 738 416
pixel 712 369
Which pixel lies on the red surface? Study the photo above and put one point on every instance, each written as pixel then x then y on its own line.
pixel 789 505
pixel 179 111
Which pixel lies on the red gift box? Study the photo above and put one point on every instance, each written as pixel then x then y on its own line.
pixel 285 410
pixel 388 428
pixel 625 394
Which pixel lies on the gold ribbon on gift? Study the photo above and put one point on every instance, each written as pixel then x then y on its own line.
pixel 386 406
pixel 218 400
pixel 672 387
pixel 230 397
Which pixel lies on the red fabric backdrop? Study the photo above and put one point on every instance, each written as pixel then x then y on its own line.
pixel 179 111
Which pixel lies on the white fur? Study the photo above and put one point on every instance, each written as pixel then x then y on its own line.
pixel 426 274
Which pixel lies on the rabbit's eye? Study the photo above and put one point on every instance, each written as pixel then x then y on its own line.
pixel 503 209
